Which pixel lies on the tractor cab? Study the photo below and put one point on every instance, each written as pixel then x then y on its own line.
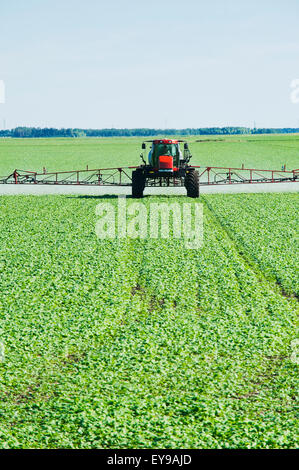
pixel 165 155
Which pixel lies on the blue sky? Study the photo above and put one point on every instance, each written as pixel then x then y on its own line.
pixel 163 63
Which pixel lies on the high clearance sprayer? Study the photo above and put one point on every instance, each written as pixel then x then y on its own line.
pixel 168 166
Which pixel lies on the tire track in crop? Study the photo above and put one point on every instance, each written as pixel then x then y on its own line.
pixel 272 283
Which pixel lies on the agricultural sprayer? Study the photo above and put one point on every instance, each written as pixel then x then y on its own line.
pixel 167 165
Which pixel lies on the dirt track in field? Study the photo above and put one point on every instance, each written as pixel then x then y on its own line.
pixel 40 190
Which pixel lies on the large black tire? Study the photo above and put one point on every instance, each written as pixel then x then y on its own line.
pixel 138 184
pixel 192 183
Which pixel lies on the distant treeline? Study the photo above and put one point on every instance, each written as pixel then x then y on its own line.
pixel 35 132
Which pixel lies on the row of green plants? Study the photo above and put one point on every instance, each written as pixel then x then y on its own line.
pixel 266 228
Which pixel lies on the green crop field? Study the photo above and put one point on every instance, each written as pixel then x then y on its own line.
pixel 144 343
pixel 269 152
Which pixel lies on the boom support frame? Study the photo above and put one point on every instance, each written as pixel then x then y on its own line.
pixel 121 176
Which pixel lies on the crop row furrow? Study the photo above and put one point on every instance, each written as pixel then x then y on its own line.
pixel 250 258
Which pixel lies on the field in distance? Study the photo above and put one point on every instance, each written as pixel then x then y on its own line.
pixel 264 151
